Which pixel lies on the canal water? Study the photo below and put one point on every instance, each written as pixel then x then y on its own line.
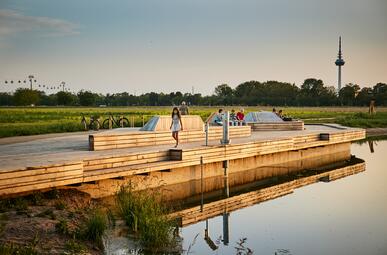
pixel 345 216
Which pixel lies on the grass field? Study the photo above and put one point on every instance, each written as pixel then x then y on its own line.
pixel 18 121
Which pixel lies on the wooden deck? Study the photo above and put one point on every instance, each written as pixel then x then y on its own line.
pixel 54 162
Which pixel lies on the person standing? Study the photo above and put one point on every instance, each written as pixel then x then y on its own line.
pixel 183 108
pixel 176 125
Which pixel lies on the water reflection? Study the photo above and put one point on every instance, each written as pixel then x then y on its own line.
pixel 347 216
pixel 232 198
pixel 371 145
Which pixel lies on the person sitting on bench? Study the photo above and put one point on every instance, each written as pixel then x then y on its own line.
pixel 218 118
pixel 283 117
pixel 241 117
pixel 233 118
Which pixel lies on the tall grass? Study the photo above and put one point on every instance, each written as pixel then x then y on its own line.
pixel 96 226
pixel 146 215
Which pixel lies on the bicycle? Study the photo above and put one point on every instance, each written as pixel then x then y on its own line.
pixel 93 124
pixel 109 122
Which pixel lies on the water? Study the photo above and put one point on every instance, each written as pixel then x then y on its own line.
pixel 345 216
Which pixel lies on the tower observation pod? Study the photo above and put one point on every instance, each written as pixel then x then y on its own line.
pixel 339 62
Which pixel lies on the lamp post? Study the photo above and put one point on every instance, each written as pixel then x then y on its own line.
pixel 62 84
pixel 31 78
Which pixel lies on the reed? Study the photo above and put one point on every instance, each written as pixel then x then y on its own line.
pixel 146 215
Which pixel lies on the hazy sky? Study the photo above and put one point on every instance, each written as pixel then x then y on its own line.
pixel 169 45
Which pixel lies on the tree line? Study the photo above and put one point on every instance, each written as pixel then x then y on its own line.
pixel 312 92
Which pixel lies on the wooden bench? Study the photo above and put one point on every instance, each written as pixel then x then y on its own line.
pixel 277 126
pixel 130 139
pixel 156 132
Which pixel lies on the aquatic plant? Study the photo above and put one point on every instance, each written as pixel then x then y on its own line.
pixel 95 226
pixel 146 215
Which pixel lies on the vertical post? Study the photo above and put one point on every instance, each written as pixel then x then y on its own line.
pixel 226 230
pixel 225 140
pixel 201 184
pixel 143 121
pixel 206 126
pixel 226 215
pixel 225 176
pixel 122 121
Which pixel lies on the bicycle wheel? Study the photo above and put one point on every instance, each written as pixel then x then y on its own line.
pixel 125 122
pixel 105 124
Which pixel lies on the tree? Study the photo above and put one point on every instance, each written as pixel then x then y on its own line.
pixel 87 98
pixel 223 90
pixel 248 93
pixel 23 96
pixel 310 92
pixel 348 94
pixel 380 93
pixel 364 97
pixel 6 99
pixel 65 98
pixel 224 94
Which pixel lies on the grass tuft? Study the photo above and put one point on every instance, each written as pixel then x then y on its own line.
pixel 147 216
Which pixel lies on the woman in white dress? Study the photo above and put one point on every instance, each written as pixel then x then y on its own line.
pixel 176 124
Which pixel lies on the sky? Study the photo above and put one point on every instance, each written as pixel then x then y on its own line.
pixel 184 45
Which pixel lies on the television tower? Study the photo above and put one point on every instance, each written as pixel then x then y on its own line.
pixel 339 62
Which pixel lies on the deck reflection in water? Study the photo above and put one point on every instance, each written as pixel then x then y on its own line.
pixel 230 197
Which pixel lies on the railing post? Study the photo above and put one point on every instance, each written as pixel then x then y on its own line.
pixel 201 184
pixel 206 129
pixel 225 140
pixel 226 214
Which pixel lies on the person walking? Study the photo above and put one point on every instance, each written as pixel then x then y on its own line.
pixel 176 125
pixel 183 108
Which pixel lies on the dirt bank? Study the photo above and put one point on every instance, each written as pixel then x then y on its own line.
pixel 46 223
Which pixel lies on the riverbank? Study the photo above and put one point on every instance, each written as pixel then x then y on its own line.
pixel 371 132
pixel 52 222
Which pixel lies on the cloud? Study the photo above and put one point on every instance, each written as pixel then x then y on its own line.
pixel 14 23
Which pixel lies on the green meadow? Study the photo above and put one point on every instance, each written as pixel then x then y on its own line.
pixel 17 121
